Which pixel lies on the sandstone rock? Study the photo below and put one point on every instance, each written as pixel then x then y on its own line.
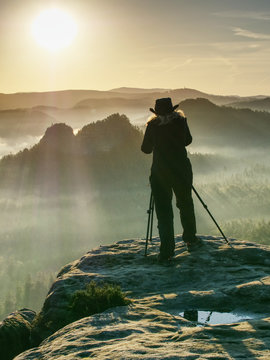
pixel 15 333
pixel 137 332
pixel 216 277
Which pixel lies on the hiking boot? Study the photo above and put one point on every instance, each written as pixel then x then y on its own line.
pixel 164 259
pixel 194 245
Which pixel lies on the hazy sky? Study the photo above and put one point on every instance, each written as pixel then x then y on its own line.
pixel 217 46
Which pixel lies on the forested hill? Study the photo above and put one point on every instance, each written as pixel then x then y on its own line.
pixel 106 154
pixel 226 126
pixel 102 153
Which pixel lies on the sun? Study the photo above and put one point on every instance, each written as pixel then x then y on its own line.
pixel 54 29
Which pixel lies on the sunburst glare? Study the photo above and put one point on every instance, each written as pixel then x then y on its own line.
pixel 54 29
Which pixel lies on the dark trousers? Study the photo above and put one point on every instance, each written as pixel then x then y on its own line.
pixel 163 185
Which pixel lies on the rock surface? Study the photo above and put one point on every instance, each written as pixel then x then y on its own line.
pixel 15 333
pixel 215 278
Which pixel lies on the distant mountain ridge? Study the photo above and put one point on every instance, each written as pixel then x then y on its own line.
pixel 137 90
pixel 113 103
pixel 69 98
pixel 23 122
pixel 258 104
pixel 61 98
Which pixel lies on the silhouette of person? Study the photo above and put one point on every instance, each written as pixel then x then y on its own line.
pixel 167 134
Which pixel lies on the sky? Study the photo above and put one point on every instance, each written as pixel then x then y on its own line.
pixel 216 46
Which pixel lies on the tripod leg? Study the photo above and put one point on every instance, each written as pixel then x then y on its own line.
pixel 149 223
pixel 152 218
pixel 212 217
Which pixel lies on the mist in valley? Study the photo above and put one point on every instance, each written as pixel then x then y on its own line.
pixel 67 188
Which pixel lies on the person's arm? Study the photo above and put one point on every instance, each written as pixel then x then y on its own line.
pixel 147 144
pixel 188 137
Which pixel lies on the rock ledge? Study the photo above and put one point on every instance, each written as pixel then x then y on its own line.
pixel 216 278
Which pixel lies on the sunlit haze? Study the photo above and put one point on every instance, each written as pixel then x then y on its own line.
pixel 219 47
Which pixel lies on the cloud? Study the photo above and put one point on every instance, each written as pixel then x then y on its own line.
pixel 253 15
pixel 236 47
pixel 249 34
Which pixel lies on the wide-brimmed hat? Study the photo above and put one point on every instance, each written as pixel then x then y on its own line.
pixel 163 106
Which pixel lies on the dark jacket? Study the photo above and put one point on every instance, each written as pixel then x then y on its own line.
pixel 167 136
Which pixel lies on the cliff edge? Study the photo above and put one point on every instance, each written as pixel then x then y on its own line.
pixel 164 319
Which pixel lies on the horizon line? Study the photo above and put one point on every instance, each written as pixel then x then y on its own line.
pixel 128 87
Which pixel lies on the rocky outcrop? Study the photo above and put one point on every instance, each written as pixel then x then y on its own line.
pixel 58 138
pixel 215 278
pixel 15 333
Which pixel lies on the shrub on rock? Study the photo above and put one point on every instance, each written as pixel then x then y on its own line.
pixel 96 298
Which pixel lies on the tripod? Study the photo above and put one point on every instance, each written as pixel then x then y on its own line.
pixel 150 213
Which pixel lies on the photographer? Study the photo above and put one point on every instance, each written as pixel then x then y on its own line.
pixel 167 134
